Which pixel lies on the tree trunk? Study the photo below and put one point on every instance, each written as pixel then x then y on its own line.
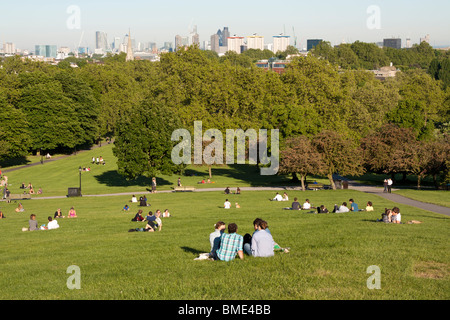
pixel 302 178
pixel 330 177
pixel 210 172
pixel 436 185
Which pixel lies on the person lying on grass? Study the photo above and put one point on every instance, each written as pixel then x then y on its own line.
pixel 396 216
pixel 151 226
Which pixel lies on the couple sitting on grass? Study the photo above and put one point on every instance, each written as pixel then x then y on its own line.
pixel 153 222
pixel 391 216
pixel 296 205
pixel 33 224
pixel 225 246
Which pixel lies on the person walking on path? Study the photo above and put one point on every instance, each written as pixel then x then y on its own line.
pixel 389 185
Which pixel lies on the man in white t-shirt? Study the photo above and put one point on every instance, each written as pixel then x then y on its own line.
pixel 278 197
pixel 343 208
pixel 227 204
pixel 306 205
pixel 52 224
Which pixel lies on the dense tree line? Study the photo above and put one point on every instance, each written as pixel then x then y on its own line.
pixel 46 108
pixel 368 56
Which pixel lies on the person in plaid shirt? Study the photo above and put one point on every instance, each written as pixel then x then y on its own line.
pixel 231 244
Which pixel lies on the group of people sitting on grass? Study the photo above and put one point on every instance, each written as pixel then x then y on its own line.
pixel 228 191
pixel 278 197
pixel 142 201
pixel 33 224
pixel 98 160
pixel 344 207
pixel 225 246
pixel 30 188
pixel 152 221
pixel 72 213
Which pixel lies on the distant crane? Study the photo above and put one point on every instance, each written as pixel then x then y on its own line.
pixel 79 44
pixel 295 37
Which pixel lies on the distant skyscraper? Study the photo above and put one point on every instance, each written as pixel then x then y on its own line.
pixel 116 44
pixel 255 42
pixel 9 48
pixel 215 43
pixel 101 41
pixel 425 39
pixel 168 46
pixel 225 36
pixel 408 43
pixel 392 43
pixel 181 42
pixel 235 44
pixel 130 56
pixel 311 43
pixel 194 38
pixel 281 43
pixel 47 51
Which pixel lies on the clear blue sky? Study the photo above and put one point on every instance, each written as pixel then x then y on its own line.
pixel 30 22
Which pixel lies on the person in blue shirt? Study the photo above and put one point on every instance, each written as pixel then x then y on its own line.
pixel 353 206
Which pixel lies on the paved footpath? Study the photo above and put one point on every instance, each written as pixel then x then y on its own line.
pixel 352 186
pixel 399 199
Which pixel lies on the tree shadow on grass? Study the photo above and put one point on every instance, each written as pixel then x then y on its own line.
pixel 250 174
pixel 113 179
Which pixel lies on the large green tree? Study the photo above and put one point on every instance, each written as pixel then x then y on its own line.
pixel 143 144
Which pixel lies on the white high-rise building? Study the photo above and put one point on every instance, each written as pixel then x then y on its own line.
pixel 281 43
pixel 255 42
pixel 235 43
pixel 9 48
pixel 116 44
pixel 425 39
pixel 408 43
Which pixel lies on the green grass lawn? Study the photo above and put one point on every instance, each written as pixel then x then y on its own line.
pixel 329 256
pixel 439 197
pixel 55 177
pixel 328 260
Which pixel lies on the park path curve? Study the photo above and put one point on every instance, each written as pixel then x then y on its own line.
pixel 352 186
pixel 379 191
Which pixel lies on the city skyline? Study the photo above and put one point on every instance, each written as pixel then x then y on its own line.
pixel 29 23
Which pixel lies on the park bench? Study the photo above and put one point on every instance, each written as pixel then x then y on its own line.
pixel 12 196
pixel 315 186
pixel 184 189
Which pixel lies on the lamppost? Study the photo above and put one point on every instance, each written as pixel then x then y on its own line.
pixel 79 169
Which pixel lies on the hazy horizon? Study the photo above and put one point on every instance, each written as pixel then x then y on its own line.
pixel 29 23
